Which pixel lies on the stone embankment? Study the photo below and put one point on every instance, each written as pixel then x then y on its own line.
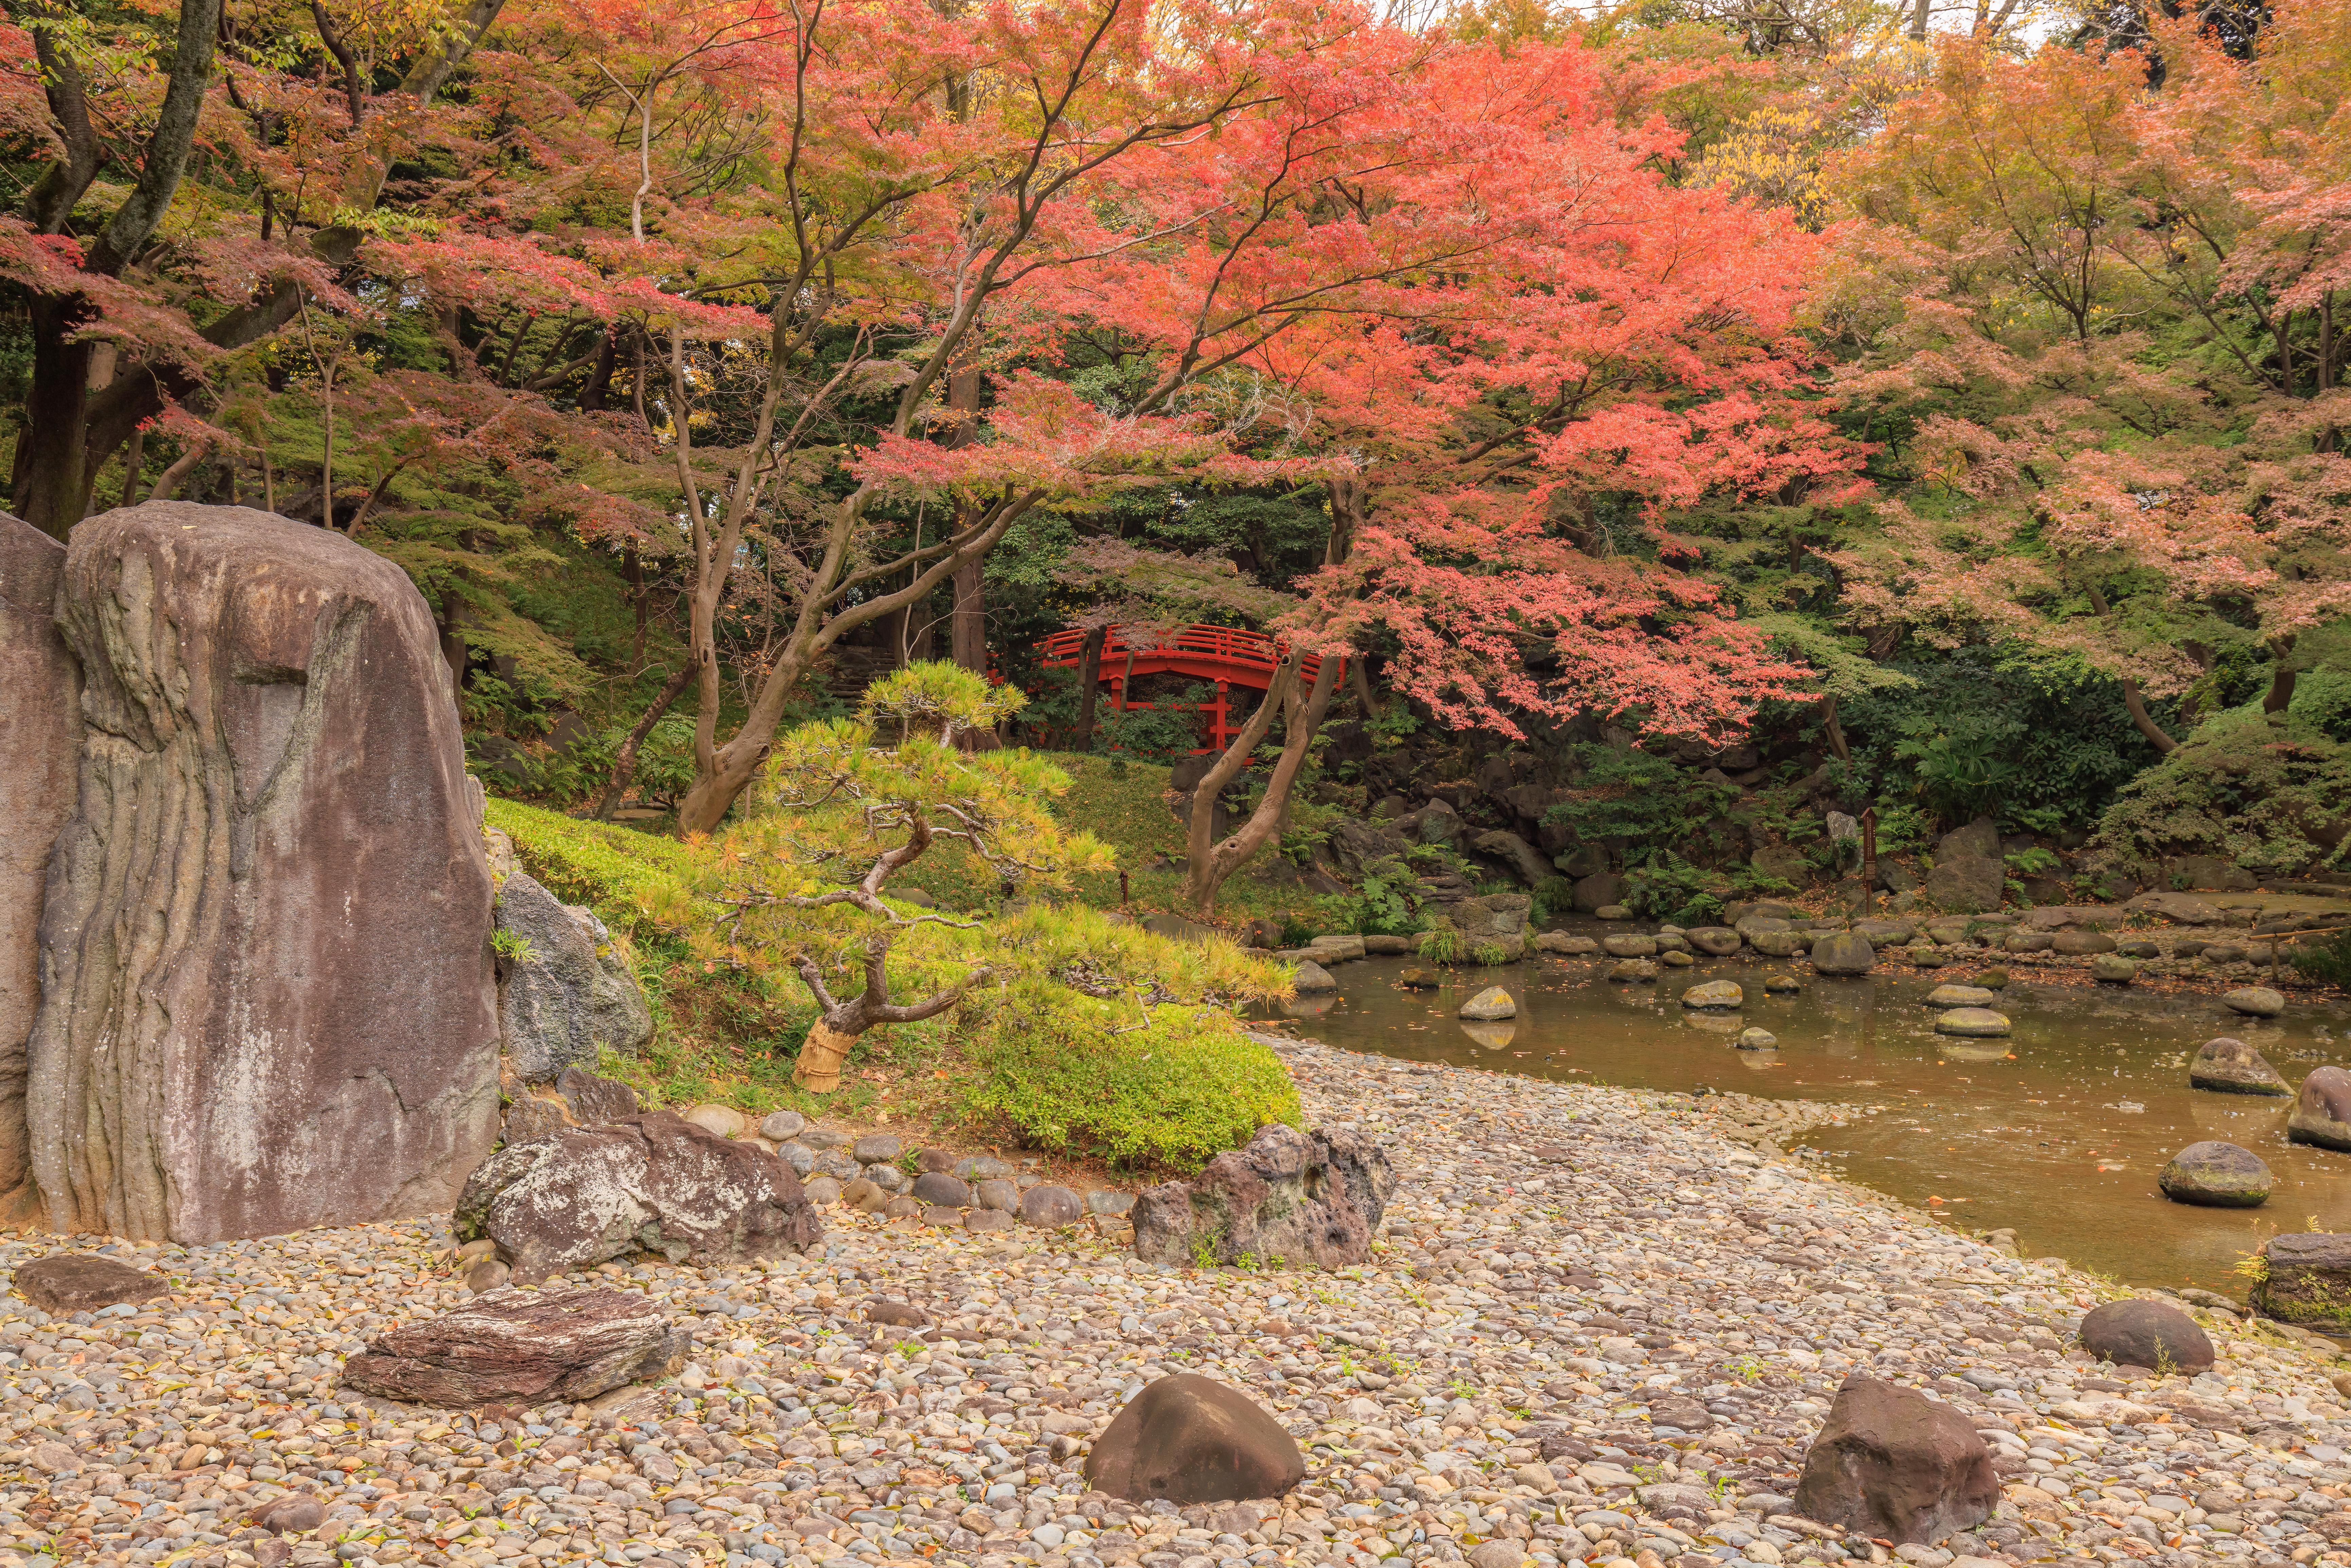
pixel 1597 1327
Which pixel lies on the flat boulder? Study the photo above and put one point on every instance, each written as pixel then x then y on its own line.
pixel 2180 908
pixel 1973 1023
pixel 1956 996
pixel 1489 1004
pixel 522 1347
pixel 1778 944
pixel 2307 1281
pixel 1287 1198
pixel 593 1101
pixel 2253 1001
pixel 565 995
pixel 1630 947
pixel 64 1284
pixel 1714 995
pixel 40 702
pixel 1633 970
pixel 1190 1439
pixel 2321 1112
pixel 1892 1464
pixel 2028 942
pixel 583 1194
pixel 272 787
pixel 2229 1066
pixel 1842 953
pixel 2082 944
pixel 1565 946
pixel 2113 969
pixel 1312 977
pixel 1716 941
pixel 2140 1333
pixel 2214 1175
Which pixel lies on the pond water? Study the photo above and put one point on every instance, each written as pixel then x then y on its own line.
pixel 2057 1131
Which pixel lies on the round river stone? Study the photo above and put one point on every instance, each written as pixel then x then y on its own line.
pixel 1972 1023
pixel 2113 969
pixel 2147 1333
pixel 2254 1002
pixel 1757 1040
pixel 2214 1175
pixel 1714 995
pixel 1946 996
pixel 2322 1113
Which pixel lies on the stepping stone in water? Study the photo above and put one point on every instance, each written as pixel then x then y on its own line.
pixel 2214 1175
pixel 1722 996
pixel 2229 1066
pixel 1954 996
pixel 1489 1004
pixel 1757 1040
pixel 2322 1113
pixel 1973 1023
pixel 2254 1002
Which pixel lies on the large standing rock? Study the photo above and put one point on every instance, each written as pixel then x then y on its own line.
pixel 1970 885
pixel 1598 891
pixel 523 1347
pixel 2231 1067
pixel 2321 1112
pixel 581 1195
pixel 1187 1439
pixel 1534 868
pixel 41 736
pixel 1842 953
pixel 2147 1333
pixel 2215 1175
pixel 2307 1279
pixel 1288 1198
pixel 1892 1464
pixel 564 993
pixel 266 1000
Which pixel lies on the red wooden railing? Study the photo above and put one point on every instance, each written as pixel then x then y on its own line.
pixel 1224 654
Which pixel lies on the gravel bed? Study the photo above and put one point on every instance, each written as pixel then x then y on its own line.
pixel 1600 1327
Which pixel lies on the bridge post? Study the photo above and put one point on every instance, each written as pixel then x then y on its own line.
pixel 1218 737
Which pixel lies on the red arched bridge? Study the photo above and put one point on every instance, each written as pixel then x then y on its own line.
pixel 1224 654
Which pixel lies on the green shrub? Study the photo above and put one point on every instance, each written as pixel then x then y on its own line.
pixel 2324 959
pixel 1554 897
pixel 2243 787
pixel 615 870
pixel 1172 1094
pixel 1381 905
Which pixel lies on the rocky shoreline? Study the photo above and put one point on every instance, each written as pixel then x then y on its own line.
pixel 1598 1326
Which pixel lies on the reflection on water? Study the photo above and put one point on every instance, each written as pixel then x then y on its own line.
pixel 2034 1131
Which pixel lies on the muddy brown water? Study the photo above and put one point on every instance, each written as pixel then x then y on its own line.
pixel 2037 1131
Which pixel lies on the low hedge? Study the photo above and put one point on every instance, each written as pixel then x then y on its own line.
pixel 615 870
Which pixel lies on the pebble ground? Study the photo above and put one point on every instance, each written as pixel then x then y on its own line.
pixel 1601 1326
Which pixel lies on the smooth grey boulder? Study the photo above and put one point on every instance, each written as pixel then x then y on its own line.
pixel 1973 1023
pixel 2321 1112
pixel 1892 1464
pixel 564 993
pixel 582 1195
pixel 2253 1001
pixel 2229 1066
pixel 1629 946
pixel 1190 1439
pixel 1287 1198
pixel 1534 867
pixel 2140 1332
pixel 1312 978
pixel 2215 1175
pixel 523 1347
pixel 1716 941
pixel 1842 953
pixel 272 791
pixel 40 744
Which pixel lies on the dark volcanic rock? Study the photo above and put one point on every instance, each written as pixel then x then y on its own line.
pixel 525 1347
pixel 2214 1175
pixel 2147 1333
pixel 1288 1198
pixel 2233 1067
pixel 595 1100
pixel 2307 1280
pixel 2321 1112
pixel 1188 1439
pixel 64 1284
pixel 582 1195
pixel 272 791
pixel 564 995
pixel 40 741
pixel 1894 1465
pixel 1967 884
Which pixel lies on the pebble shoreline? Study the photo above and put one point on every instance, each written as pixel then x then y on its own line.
pixel 1598 1327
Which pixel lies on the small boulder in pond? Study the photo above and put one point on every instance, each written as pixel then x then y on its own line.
pixel 523 1347
pixel 1894 1465
pixel 2113 969
pixel 1714 995
pixel 1993 979
pixel 2307 1279
pixel 2147 1333
pixel 1757 1040
pixel 1781 984
pixel 2253 1001
pixel 1489 1005
pixel 1633 969
pixel 2214 1175
pixel 64 1284
pixel 2229 1066
pixel 1926 956
pixel 1842 953
pixel 1716 941
pixel 1955 995
pixel 1420 979
pixel 1310 978
pixel 1629 946
pixel 1190 1439
pixel 1973 1023
pixel 2321 1112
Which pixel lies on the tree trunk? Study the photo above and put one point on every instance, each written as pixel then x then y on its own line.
pixel 2140 716
pixel 969 621
pixel 624 765
pixel 1836 730
pixel 1090 657
pixel 821 1057
pixel 1210 865
pixel 51 477
pixel 2281 676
